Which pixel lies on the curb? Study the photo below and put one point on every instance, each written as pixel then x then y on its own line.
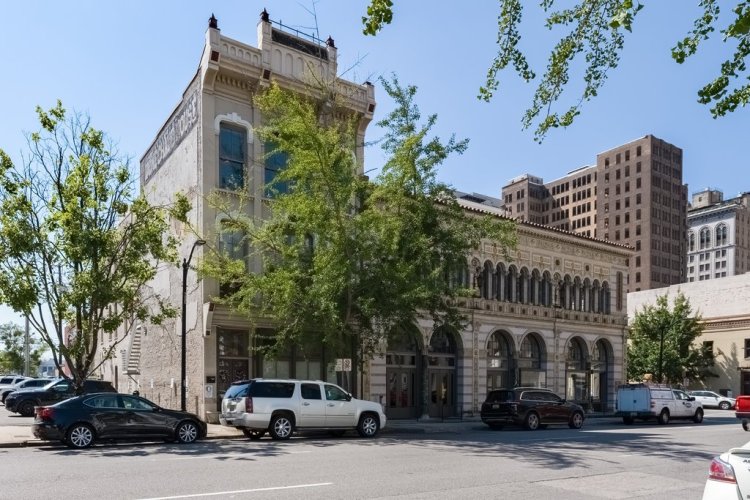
pixel 29 443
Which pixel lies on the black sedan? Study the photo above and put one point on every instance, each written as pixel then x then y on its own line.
pixel 82 420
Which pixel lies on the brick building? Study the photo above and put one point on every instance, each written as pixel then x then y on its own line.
pixel 634 195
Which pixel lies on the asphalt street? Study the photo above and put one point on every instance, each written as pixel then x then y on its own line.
pixel 613 461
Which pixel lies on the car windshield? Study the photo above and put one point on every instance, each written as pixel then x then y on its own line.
pixel 7 380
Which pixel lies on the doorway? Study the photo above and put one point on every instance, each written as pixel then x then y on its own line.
pixel 441 375
pixel 401 376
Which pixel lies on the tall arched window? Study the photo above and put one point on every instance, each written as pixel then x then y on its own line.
pixel 530 353
pixel 232 156
pixel 705 238
pixel 721 235
pixel 691 241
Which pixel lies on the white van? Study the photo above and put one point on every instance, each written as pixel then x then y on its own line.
pixel 647 401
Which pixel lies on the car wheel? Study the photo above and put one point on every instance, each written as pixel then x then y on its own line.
pixel 663 418
pixel 724 405
pixel 698 417
pixel 281 427
pixel 368 426
pixel 576 420
pixel 26 408
pixel 531 422
pixel 80 436
pixel 253 434
pixel 745 426
pixel 187 432
pixel 627 420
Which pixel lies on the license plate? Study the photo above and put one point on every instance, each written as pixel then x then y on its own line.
pixel 495 407
pixel 633 414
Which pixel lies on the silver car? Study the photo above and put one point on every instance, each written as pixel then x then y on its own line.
pixel 710 399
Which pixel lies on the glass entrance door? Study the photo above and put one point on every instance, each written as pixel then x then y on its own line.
pixel 442 393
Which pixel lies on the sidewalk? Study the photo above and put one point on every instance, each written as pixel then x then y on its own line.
pixel 17 436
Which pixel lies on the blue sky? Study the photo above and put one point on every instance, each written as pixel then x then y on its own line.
pixel 127 63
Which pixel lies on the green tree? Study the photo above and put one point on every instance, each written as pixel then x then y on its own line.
pixel 657 332
pixel 77 245
pixel 12 359
pixel 345 259
pixel 594 34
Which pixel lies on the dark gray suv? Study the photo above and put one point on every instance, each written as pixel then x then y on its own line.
pixel 530 407
pixel 24 401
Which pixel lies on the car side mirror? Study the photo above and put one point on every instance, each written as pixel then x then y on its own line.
pixel 348 397
pixel 691 398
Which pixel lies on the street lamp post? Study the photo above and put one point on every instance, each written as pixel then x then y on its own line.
pixel 183 365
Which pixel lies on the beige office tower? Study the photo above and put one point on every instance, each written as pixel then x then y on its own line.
pixel 634 196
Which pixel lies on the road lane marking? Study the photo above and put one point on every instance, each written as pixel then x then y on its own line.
pixel 254 490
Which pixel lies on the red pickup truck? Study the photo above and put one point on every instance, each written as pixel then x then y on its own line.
pixel 742 411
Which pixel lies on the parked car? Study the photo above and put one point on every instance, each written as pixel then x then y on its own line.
pixel 728 475
pixel 711 399
pixel 532 408
pixel 29 383
pixel 656 401
pixel 10 380
pixel 24 401
pixel 281 407
pixel 82 420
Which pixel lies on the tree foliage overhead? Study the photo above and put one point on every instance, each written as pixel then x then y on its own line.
pixel 77 245
pixel 12 350
pixel 681 358
pixel 594 33
pixel 346 259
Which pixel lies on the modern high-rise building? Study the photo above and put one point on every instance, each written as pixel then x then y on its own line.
pixel 718 237
pixel 634 195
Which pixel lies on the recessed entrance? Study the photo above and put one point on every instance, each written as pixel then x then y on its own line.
pixel 441 375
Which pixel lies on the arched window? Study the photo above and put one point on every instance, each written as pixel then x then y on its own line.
pixel 442 342
pixel 501 279
pixel 705 238
pixel 576 359
pixel 498 351
pixel 499 366
pixel 488 282
pixel 721 235
pixel 691 241
pixel 530 353
pixel 605 305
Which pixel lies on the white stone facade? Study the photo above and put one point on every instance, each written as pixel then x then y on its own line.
pixel 718 236
pixel 553 315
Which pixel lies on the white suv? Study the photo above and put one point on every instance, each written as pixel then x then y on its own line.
pixel 282 406
pixel 712 399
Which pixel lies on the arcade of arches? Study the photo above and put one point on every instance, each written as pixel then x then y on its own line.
pixel 433 381
pixel 511 284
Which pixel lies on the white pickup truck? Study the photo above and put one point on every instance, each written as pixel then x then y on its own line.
pixel 648 401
